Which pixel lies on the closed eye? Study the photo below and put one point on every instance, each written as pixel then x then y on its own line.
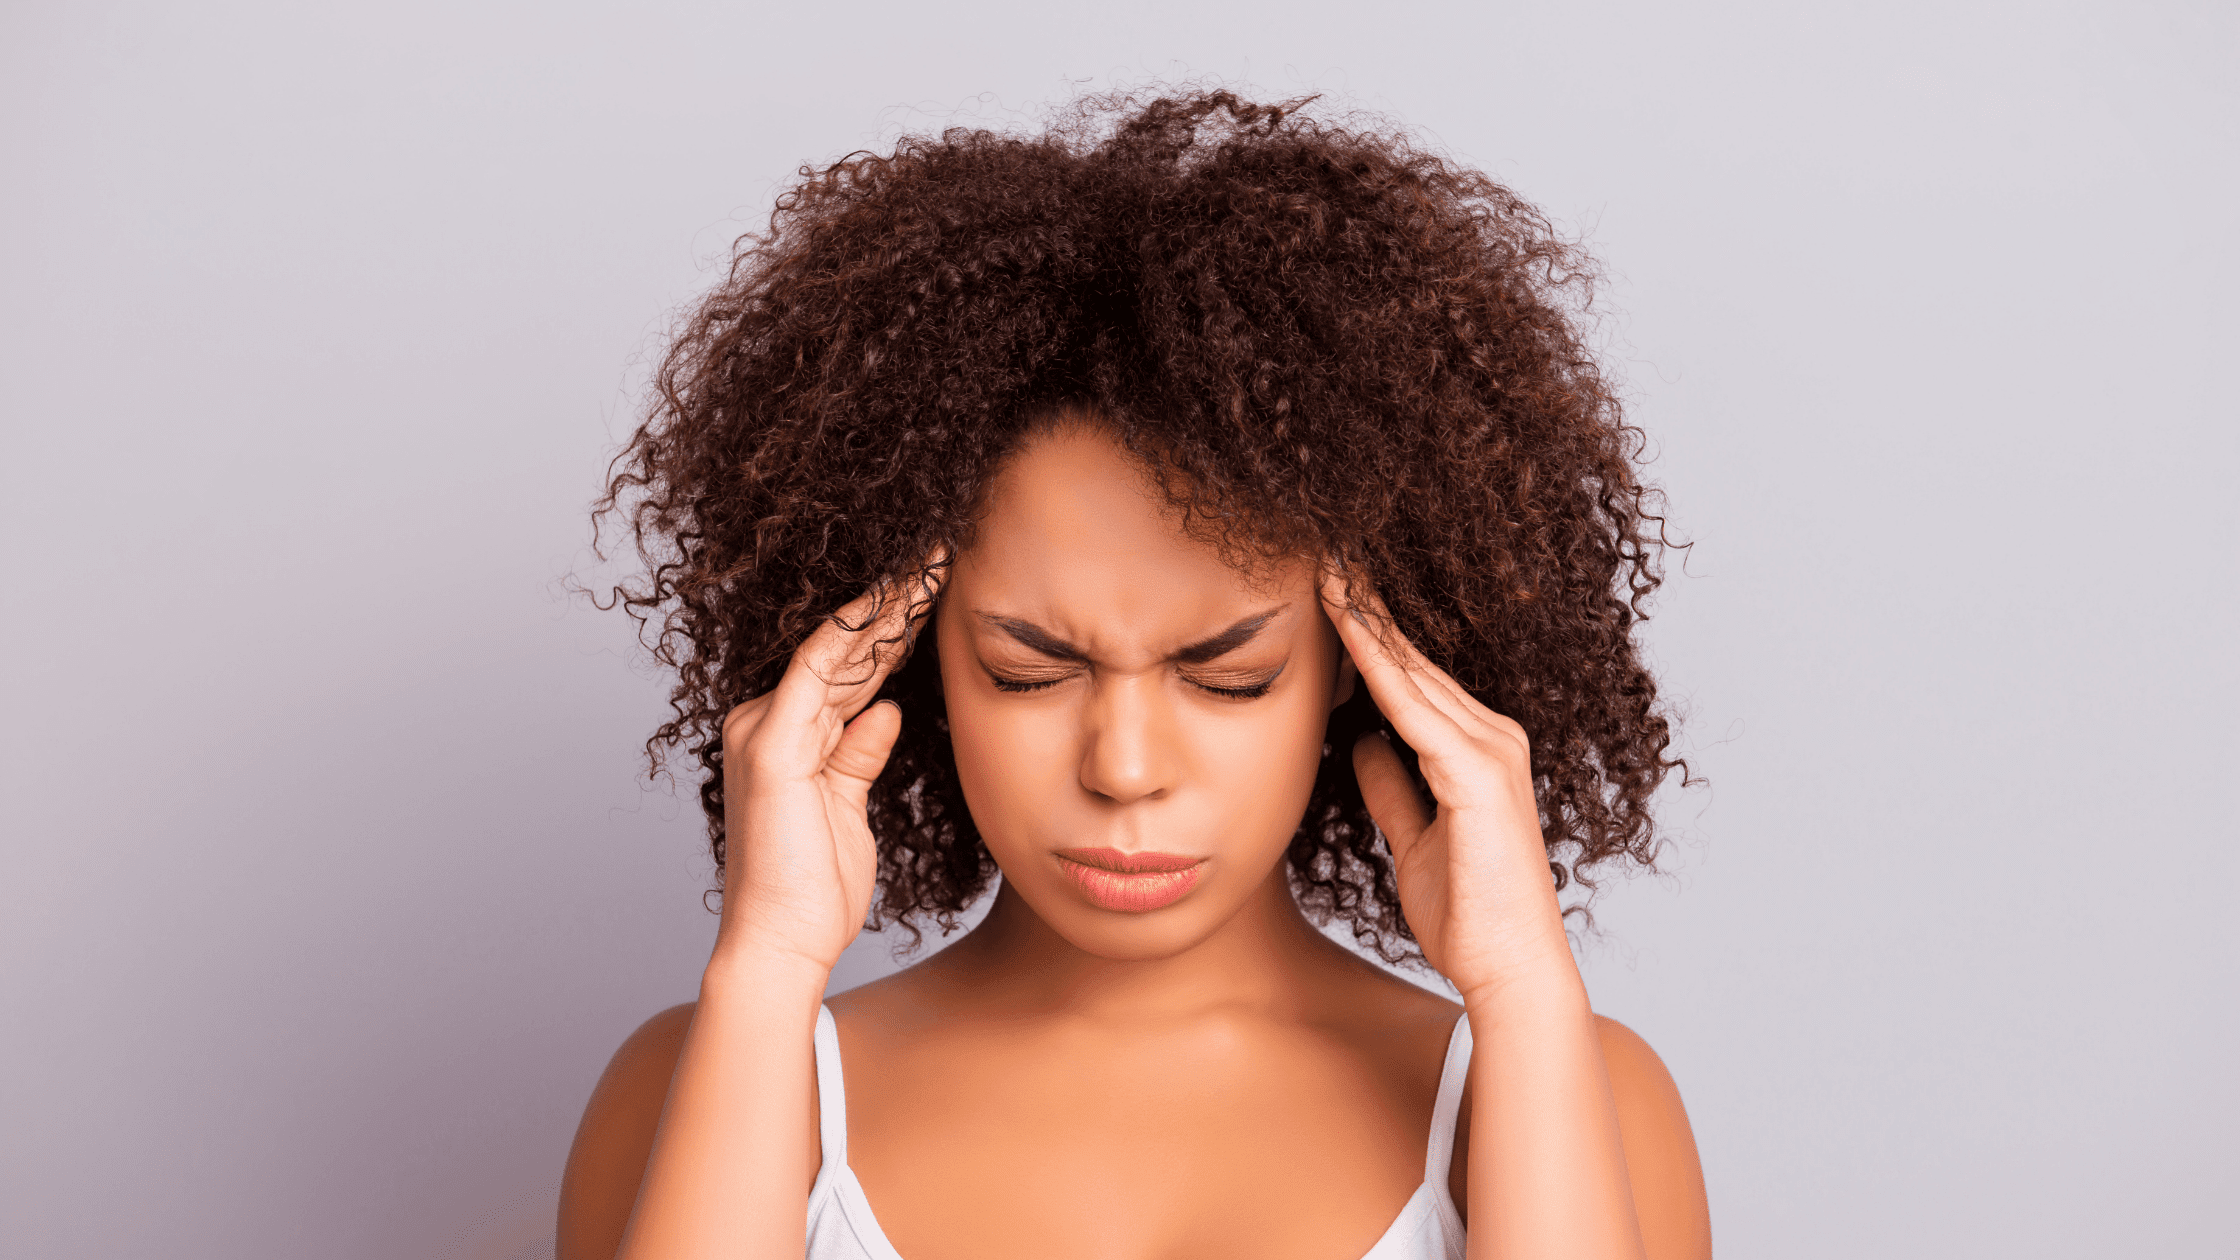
pixel 1253 691
pixel 1250 691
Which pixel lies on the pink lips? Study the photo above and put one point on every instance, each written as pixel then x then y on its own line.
pixel 1132 882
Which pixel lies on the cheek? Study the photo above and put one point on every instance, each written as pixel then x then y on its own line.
pixel 1261 764
pixel 1012 759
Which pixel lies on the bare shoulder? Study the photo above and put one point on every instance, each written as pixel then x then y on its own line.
pixel 1660 1147
pixel 600 1186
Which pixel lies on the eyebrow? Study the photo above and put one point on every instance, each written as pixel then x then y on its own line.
pixel 1209 648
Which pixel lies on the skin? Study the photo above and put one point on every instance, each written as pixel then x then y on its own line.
pixel 1212 1078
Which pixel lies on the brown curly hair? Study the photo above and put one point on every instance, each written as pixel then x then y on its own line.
pixel 1323 339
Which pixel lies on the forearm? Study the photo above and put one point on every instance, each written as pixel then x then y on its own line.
pixel 734 1157
pixel 1547 1171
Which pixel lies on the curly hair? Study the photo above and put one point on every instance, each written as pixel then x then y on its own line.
pixel 1321 339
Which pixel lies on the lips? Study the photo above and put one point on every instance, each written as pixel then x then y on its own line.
pixel 1130 882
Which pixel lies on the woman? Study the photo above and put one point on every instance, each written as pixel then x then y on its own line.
pixel 1212 522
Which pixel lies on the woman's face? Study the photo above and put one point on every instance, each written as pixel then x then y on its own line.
pixel 1137 724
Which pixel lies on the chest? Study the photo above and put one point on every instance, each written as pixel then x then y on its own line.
pixel 1198 1144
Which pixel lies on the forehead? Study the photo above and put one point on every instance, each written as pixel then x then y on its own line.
pixel 1075 537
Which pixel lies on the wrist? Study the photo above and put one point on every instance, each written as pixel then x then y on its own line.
pixel 1538 994
pixel 1544 978
pixel 768 973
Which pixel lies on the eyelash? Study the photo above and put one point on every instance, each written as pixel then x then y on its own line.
pixel 1253 692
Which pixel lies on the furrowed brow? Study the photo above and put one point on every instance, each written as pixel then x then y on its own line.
pixel 1228 640
pixel 1032 636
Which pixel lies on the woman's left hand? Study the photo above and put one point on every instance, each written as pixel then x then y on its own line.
pixel 1474 879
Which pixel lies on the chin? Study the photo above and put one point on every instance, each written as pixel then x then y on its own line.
pixel 1131 938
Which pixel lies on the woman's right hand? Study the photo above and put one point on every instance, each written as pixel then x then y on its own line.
pixel 723 1166
pixel 799 858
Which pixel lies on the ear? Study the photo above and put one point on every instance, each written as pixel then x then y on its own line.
pixel 1348 677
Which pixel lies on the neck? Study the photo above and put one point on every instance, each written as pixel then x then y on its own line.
pixel 1265 958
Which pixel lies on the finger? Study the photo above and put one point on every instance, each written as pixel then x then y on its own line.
pixel 844 660
pixel 1391 796
pixel 907 605
pixel 1363 643
pixel 924 591
pixel 1400 695
pixel 863 751
pixel 1437 686
pixel 839 667
pixel 843 650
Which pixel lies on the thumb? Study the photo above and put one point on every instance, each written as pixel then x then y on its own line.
pixel 862 751
pixel 1388 792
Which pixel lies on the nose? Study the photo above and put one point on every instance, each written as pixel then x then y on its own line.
pixel 1130 751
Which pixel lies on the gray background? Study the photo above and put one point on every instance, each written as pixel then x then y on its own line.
pixel 329 877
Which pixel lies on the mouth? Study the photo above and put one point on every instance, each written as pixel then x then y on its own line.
pixel 1130 882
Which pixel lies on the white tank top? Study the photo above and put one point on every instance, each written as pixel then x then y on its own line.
pixel 841 1226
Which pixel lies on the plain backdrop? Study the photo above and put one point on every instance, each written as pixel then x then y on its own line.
pixel 331 876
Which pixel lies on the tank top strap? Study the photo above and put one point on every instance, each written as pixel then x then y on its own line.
pixel 832 1097
pixel 1452 1077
